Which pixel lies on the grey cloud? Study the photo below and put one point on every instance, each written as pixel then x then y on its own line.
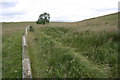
pixel 13 13
pixel 8 4
pixel 107 9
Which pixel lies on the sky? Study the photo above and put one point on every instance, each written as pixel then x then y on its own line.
pixel 59 10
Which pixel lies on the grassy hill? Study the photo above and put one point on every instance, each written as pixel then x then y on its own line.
pixel 85 49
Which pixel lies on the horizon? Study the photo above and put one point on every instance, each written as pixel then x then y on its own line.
pixel 61 20
pixel 59 10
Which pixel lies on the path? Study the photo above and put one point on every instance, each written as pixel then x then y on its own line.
pixel 26 72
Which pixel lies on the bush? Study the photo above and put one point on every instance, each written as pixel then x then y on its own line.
pixel 31 28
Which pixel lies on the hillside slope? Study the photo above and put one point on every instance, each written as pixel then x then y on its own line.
pixel 86 49
pixel 63 49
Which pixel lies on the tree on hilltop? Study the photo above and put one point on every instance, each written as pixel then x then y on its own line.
pixel 43 18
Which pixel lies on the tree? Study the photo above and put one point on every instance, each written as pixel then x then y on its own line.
pixel 43 18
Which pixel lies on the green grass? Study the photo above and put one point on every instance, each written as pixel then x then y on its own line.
pixel 61 52
pixel 0 60
pixel 12 56
pixel 12 50
pixel 101 47
pixel 87 49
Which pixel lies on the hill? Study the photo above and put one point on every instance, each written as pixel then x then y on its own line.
pixel 85 49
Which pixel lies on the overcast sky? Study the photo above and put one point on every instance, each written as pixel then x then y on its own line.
pixel 59 10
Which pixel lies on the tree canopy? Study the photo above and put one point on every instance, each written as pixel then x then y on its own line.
pixel 43 18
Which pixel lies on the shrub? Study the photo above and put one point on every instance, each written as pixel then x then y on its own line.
pixel 31 28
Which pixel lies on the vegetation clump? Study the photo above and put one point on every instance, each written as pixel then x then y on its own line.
pixel 31 28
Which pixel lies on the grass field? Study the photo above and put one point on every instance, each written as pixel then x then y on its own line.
pixel 12 48
pixel 86 49
pixel 0 50
pixel 11 54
